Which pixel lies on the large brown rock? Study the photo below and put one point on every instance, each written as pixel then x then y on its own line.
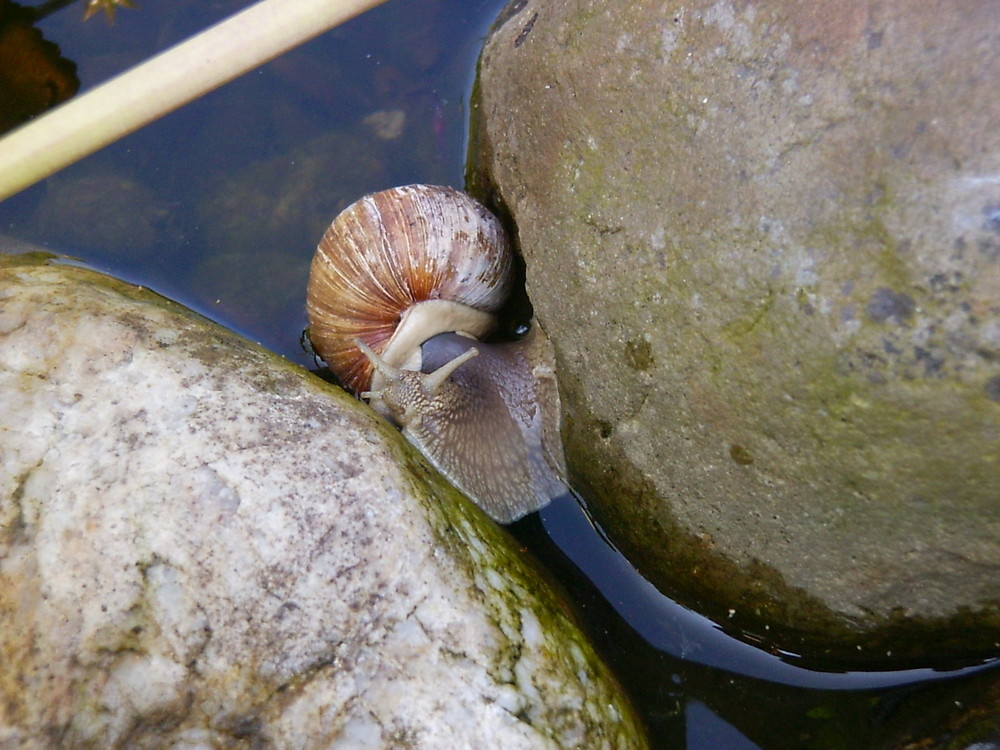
pixel 765 241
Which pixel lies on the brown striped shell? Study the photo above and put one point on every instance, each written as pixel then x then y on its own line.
pixel 399 266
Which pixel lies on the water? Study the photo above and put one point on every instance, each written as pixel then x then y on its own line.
pixel 696 683
pixel 220 206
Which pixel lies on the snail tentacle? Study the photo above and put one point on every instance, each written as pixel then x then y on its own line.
pixel 384 368
pixel 432 382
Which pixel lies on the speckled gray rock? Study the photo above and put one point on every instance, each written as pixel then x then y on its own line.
pixel 203 546
pixel 764 239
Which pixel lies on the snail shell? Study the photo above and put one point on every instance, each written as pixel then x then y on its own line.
pixel 397 267
pixel 402 285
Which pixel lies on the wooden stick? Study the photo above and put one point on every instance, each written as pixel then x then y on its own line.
pixel 163 83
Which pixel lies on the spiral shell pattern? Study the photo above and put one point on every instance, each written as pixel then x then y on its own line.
pixel 389 252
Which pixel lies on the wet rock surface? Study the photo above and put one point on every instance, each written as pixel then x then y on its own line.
pixel 765 241
pixel 203 546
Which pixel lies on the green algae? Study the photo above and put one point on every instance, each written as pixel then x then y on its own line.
pixel 512 586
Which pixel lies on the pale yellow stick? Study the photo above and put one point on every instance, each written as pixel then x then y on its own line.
pixel 162 84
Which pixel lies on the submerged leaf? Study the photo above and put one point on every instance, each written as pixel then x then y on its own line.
pixel 108 6
pixel 33 75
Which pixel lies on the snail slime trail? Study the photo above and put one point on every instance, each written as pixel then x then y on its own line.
pixel 415 273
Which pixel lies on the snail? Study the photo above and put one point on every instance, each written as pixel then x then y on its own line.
pixel 404 285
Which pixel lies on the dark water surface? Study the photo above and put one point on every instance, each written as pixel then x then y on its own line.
pixel 220 206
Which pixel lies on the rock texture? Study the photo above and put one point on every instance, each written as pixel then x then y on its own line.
pixel 765 241
pixel 202 546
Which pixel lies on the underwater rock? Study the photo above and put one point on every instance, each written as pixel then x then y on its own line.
pixel 259 292
pixel 240 215
pixel 251 274
pixel 961 716
pixel 202 545
pixel 102 208
pixel 765 241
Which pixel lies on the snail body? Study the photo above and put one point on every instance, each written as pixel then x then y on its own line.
pixel 403 285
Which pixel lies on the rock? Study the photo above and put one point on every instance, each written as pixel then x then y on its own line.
pixel 256 272
pixel 237 216
pixel 969 719
pixel 765 241
pixel 102 208
pixel 204 546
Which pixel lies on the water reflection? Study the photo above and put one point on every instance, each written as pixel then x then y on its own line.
pixel 706 729
pixel 676 630
pixel 678 665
